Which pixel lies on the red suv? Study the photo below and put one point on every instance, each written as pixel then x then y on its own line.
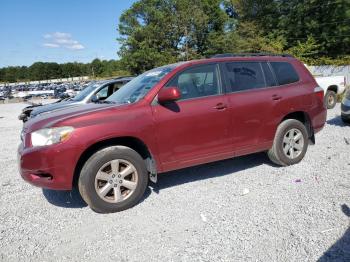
pixel 172 117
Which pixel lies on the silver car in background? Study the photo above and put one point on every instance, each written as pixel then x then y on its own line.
pixel 95 92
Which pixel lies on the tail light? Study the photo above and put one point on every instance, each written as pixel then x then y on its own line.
pixel 319 92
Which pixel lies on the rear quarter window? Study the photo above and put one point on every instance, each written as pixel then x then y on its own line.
pixel 285 73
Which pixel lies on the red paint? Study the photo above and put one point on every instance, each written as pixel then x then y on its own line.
pixel 179 134
pixel 169 94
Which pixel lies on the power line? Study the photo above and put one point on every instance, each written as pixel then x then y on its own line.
pixel 336 22
pixel 346 21
pixel 323 5
pixel 319 37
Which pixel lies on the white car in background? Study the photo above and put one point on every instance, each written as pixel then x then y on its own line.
pixel 332 86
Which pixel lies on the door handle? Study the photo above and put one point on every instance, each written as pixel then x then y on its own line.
pixel 220 106
pixel 276 97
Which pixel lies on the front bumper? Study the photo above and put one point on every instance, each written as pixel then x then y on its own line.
pixel 48 167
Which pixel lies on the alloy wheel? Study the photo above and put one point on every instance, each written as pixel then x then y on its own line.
pixel 116 181
pixel 293 143
pixel 331 100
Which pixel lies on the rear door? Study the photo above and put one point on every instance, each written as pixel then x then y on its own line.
pixel 252 97
pixel 194 129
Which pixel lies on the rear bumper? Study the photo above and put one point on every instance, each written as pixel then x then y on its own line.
pixel 319 120
pixel 49 167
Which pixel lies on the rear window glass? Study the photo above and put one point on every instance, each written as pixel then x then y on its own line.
pixel 244 76
pixel 285 73
pixel 269 78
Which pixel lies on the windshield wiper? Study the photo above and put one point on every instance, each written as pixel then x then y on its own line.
pixel 104 102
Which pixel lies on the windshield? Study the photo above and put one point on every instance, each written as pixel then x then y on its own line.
pixel 85 92
pixel 137 88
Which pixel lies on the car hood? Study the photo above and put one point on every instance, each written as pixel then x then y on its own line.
pixel 51 107
pixel 59 115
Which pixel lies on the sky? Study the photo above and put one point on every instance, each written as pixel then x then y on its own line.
pixel 59 30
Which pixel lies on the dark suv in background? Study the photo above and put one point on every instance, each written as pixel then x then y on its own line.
pixel 172 117
pixel 345 107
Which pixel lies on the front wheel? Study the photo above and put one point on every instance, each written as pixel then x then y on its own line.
pixel 290 143
pixel 330 99
pixel 113 179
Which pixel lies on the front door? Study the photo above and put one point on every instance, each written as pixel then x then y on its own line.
pixel 194 129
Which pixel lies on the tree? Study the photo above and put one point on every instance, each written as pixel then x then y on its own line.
pixel 52 70
pixel 72 70
pixel 157 32
pixel 45 71
pixel 326 22
pixel 37 71
pixel 305 50
pixel 96 67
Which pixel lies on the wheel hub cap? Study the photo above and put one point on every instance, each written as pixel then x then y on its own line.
pixel 330 100
pixel 116 181
pixel 293 143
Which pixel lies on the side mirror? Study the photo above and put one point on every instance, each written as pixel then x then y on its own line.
pixel 169 94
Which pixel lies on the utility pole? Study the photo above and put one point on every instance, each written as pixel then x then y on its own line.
pixel 186 43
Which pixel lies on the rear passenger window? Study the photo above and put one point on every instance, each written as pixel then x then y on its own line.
pixel 269 78
pixel 244 76
pixel 285 73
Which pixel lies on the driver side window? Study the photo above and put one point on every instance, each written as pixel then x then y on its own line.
pixel 199 81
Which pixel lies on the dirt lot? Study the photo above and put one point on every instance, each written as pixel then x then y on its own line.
pixel 243 209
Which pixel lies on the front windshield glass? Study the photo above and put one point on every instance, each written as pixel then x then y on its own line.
pixel 85 92
pixel 137 88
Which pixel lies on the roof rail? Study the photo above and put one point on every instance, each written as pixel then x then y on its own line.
pixel 249 54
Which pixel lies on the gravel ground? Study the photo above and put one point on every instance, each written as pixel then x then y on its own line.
pixel 242 209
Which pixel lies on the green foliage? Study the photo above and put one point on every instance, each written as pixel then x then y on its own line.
pixel 325 24
pixel 305 51
pixel 44 71
pixel 157 32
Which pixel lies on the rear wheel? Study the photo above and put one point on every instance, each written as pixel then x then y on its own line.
pixel 290 143
pixel 113 179
pixel 330 99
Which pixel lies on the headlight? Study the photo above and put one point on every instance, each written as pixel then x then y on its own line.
pixel 49 136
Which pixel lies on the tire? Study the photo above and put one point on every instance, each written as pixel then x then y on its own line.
pixel 116 193
pixel 345 120
pixel 293 156
pixel 330 99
